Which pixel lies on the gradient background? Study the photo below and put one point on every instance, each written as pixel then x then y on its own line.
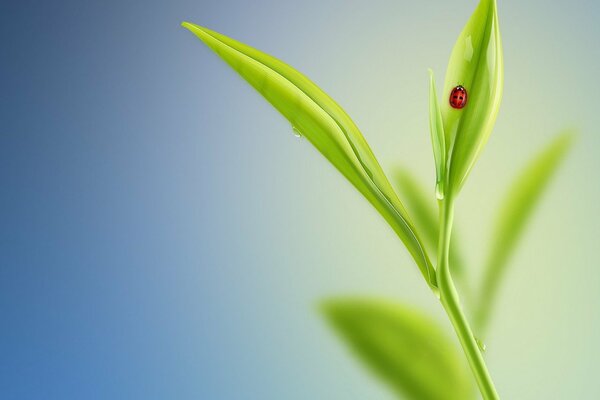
pixel 163 235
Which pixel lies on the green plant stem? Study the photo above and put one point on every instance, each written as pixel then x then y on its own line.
pixel 450 301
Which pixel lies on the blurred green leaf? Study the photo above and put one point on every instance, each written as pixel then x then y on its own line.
pixel 403 347
pixel 476 63
pixel 320 120
pixel 516 209
pixel 438 141
pixel 423 209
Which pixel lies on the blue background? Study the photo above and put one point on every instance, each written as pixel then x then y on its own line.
pixel 164 235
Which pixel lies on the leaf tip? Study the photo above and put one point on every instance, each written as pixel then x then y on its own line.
pixel 565 140
pixel 195 29
pixel 570 135
pixel 187 25
pixel 326 307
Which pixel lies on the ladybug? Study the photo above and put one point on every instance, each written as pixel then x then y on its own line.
pixel 458 97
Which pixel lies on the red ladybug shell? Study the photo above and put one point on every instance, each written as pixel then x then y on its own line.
pixel 458 97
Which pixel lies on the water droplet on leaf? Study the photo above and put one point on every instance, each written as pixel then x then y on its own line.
pixel 481 345
pixel 439 190
pixel 297 133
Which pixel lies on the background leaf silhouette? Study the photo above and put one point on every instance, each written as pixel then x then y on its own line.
pixel 403 347
pixel 513 215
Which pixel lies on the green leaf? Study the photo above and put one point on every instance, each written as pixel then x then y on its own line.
pixel 424 212
pixel 321 121
pixel 477 64
pixel 438 141
pixel 517 208
pixel 403 347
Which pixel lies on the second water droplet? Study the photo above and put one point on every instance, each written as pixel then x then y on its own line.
pixel 297 133
pixel 481 345
pixel 439 190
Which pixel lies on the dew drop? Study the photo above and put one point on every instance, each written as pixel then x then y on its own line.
pixel 481 345
pixel 297 133
pixel 439 190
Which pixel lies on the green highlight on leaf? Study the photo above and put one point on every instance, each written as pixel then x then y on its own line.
pixel 403 347
pixel 477 64
pixel 325 124
pixel 438 140
pixel 516 210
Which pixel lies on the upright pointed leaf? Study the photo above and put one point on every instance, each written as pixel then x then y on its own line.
pixel 517 208
pixel 476 64
pixel 438 141
pixel 325 124
pixel 403 347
